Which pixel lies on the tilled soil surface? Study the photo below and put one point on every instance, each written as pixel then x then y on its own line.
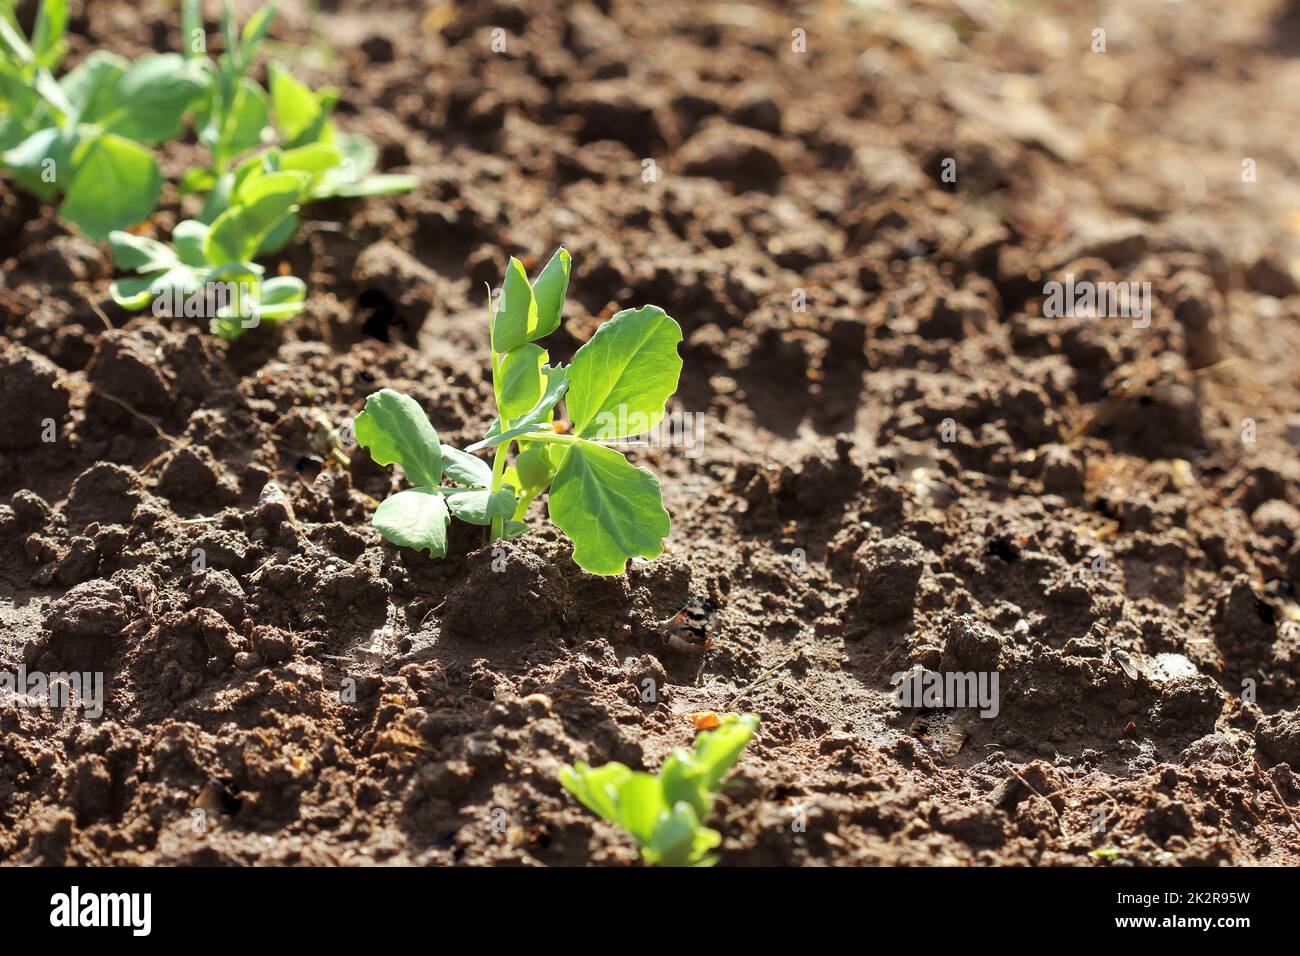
pixel 903 461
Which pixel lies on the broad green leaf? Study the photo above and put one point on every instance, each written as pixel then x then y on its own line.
pixel 42 162
pixel 298 111
pixel 516 319
pixel 597 787
pixel 481 506
pixel 397 432
pixel 465 469
pixel 610 509
pixel 188 238
pixel 640 805
pixel 514 529
pixel 244 121
pixel 151 97
pixel 549 290
pixel 139 253
pixel 519 380
pixel 91 86
pixel 314 158
pixel 238 232
pixel 115 184
pixel 557 382
pixel 621 379
pixel 416 518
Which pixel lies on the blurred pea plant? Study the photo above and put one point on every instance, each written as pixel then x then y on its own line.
pixel 610 509
pixel 251 208
pixel 85 136
pixel 665 812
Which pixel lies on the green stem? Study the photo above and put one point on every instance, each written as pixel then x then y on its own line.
pixel 524 503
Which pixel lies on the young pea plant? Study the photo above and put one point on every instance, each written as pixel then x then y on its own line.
pixel 85 137
pixel 616 387
pixel 209 270
pixel 234 115
pixel 665 812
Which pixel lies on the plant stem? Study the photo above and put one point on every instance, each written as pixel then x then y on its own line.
pixel 498 469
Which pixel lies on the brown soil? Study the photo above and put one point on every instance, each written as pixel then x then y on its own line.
pixel 913 468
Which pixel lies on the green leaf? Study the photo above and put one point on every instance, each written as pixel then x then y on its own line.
pixel 549 290
pixel 188 237
pixel 281 297
pixel 91 87
pixel 640 805
pixel 28 161
pixel 612 510
pixel 385 185
pixel 557 383
pixel 151 98
pixel 132 292
pixel 299 115
pixel 197 179
pixel 716 751
pixel 416 518
pixel 255 31
pixel 138 253
pixel 597 788
pixel 465 469
pixel 621 379
pixel 396 431
pixel 314 158
pixel 238 232
pixel 47 36
pixel 244 121
pixel 516 319
pixel 115 184
pixel 481 506
pixel 519 380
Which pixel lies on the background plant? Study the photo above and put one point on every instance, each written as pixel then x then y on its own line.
pixel 616 386
pixel 85 137
pixel 665 812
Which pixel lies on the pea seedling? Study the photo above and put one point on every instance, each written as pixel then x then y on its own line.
pixel 209 269
pixel 233 118
pixel 86 136
pixel 616 387
pixel 665 812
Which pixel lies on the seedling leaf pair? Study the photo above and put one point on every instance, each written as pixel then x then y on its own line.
pixel 665 812
pixel 616 387
pixel 397 432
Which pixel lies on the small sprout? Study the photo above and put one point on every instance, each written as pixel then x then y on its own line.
pixel 616 387
pixel 85 137
pixel 665 812
pixel 209 271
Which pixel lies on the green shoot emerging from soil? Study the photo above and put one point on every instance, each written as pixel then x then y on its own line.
pixel 665 812
pixel 86 136
pixel 616 387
